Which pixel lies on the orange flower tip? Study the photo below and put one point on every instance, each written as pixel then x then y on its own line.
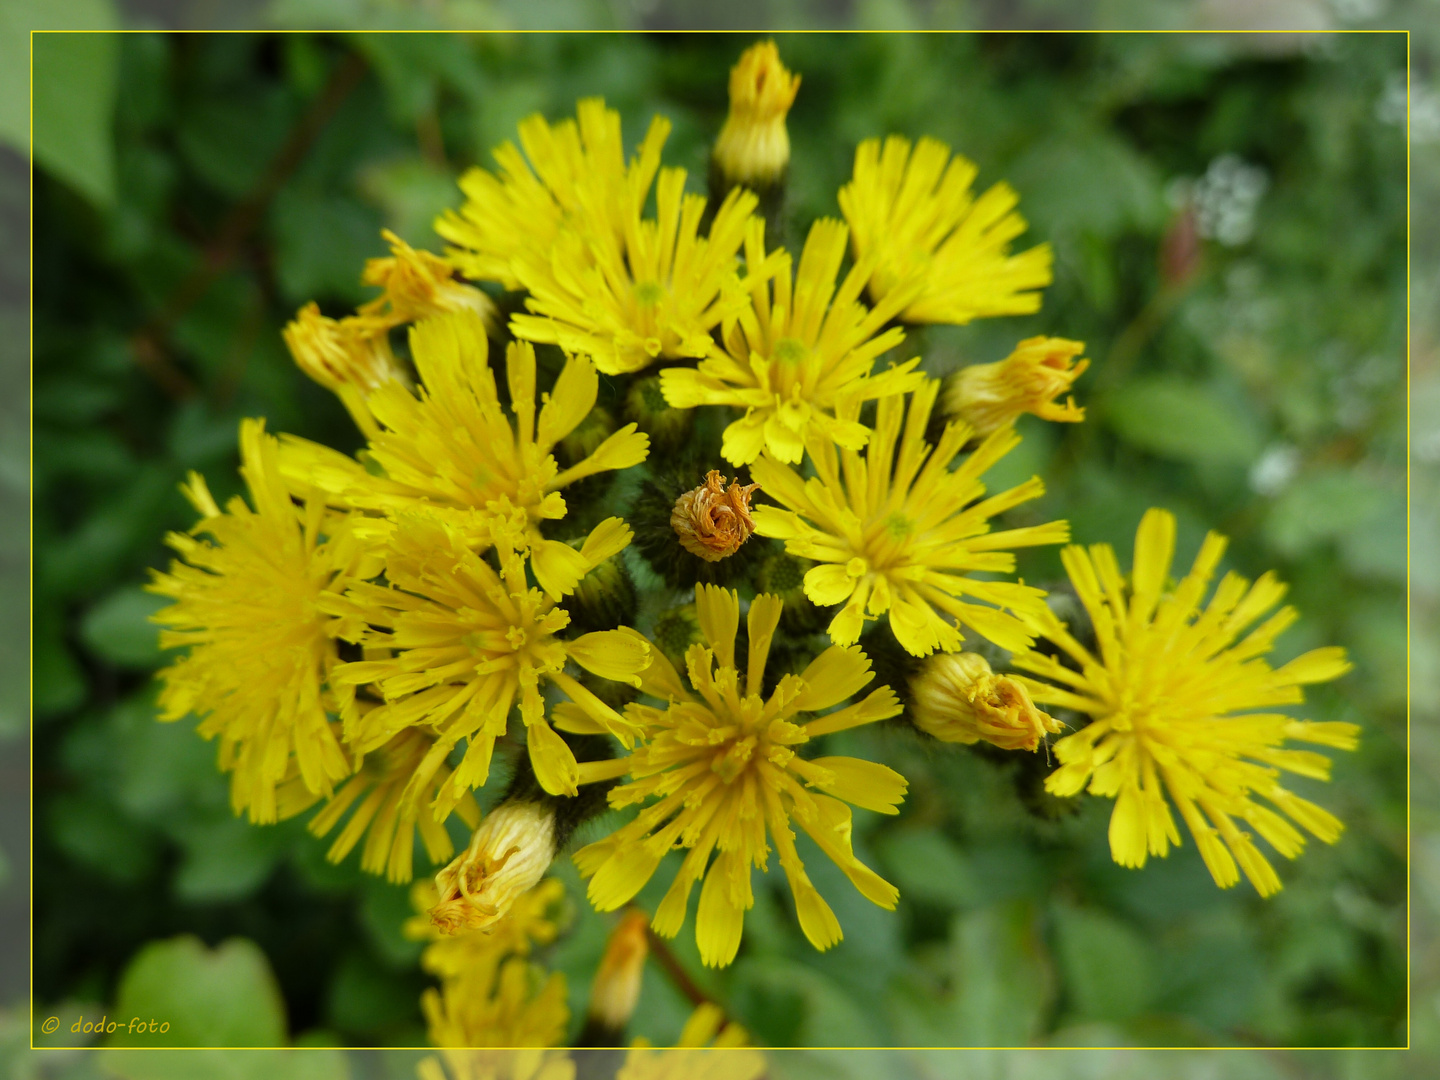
pixel 754 146
pixel 616 989
pixel 712 521
pixel 958 698
pixel 989 397
pixel 417 285
pixel 507 856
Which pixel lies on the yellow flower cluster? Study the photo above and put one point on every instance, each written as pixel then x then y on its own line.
pixel 368 631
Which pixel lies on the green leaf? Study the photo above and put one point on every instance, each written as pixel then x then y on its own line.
pixel 226 857
pixel 90 831
pixel 411 192
pixel 1328 504
pixel 1177 418
pixel 118 628
pixel 1105 964
pixel 925 866
pixel 384 911
pixel 1003 983
pixel 226 996
pixel 73 82
pixel 322 242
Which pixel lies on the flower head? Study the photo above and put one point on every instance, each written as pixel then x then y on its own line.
pixel 260 649
pixel 799 353
pixel 712 521
pixel 1173 694
pixel 460 644
pixel 579 184
pixel 417 285
pixel 721 764
pixel 506 858
pixel 655 294
pixel 754 147
pixel 915 216
pixel 898 531
pixel 386 819
pixel 957 698
pixel 452 451
pixel 616 989
pixel 694 1055
pixel 531 921
pixel 514 1004
pixel 991 396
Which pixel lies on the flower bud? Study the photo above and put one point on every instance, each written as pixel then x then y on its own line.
pixel 652 414
pixel 586 437
pixel 417 285
pixel 603 599
pixel 957 698
pixel 616 988
pixel 507 855
pixel 754 148
pixel 713 521
pixel 989 397
pixel 676 630
pixel 342 354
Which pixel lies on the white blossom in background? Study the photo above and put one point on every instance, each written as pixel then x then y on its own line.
pixel 1357 11
pixel 1275 468
pixel 1424 108
pixel 1227 199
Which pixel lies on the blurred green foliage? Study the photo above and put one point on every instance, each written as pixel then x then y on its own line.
pixel 1256 387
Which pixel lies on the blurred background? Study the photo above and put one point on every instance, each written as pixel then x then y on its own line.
pixel 1228 214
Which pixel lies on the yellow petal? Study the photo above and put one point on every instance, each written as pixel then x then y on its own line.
pixel 719 920
pixel 553 761
pixel 867 784
pixel 828 584
pixel 834 675
pixel 570 401
pixel 611 654
pixel 743 440
pixel 718 612
pixel 621 876
pixel 558 567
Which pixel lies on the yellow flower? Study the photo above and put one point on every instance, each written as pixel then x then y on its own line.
pixel 899 531
pixel 754 147
pixel 506 858
pixel 580 184
pixel 957 698
pixel 709 1048
pixel 991 396
pixel 531 921
pixel 721 764
pixel 350 357
pixel 383 816
pixel 1173 693
pixel 454 452
pixel 915 216
pixel 798 353
pixel 455 645
pixel 655 295
pixel 616 987
pixel 514 1005
pixel 248 607
pixel 417 285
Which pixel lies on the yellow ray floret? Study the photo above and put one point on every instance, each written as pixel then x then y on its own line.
pixel 656 294
pixel 454 451
pixel 381 814
pixel 515 1004
pixel 458 644
pixel 260 649
pixel 798 353
pixel 1173 693
pixel 720 771
pixel 579 183
pixel 897 531
pixel 915 216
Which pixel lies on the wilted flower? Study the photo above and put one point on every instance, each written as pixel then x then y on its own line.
pixel 989 397
pixel 713 521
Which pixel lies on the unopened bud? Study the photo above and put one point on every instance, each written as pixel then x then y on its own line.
pixel 989 397
pixel 713 521
pixel 616 989
pixel 342 354
pixel 652 414
pixel 957 698
pixel 754 148
pixel 507 855
pixel 417 285
pixel 676 630
pixel 587 436
pixel 604 598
